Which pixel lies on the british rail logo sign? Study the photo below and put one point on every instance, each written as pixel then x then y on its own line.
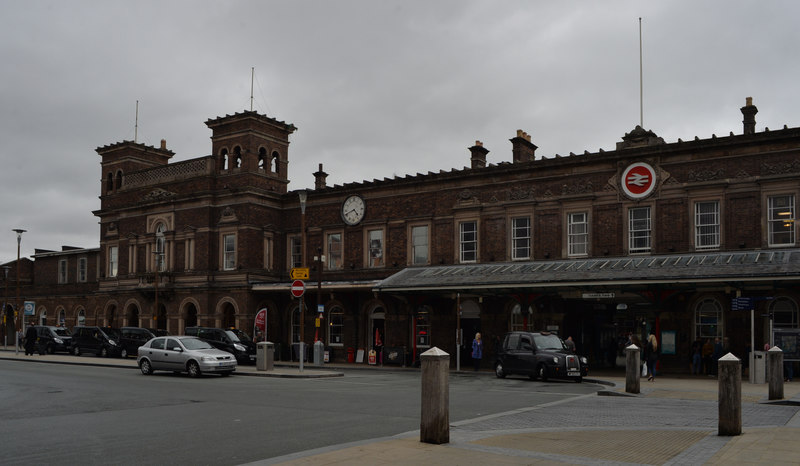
pixel 638 180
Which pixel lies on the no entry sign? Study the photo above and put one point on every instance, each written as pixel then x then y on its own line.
pixel 298 288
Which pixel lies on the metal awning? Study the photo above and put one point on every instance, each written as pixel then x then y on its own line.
pixel 631 271
pixel 364 285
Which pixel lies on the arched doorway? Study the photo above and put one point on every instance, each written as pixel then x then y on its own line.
pixel 161 317
pixel 377 320
pixel 191 315
pixel 133 318
pixel 111 316
pixel 228 315
pixel 470 325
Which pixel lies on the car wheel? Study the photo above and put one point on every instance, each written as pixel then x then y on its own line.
pixel 124 353
pixel 103 353
pixel 145 366
pixel 193 369
pixel 499 371
pixel 76 350
pixel 542 373
pixel 50 349
pixel 225 374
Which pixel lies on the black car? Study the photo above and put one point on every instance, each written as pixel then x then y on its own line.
pixel 54 339
pixel 539 355
pixel 131 338
pixel 226 340
pixel 101 341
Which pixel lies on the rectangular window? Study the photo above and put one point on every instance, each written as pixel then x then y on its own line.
pixel 268 253
pixel 113 261
pixel 82 266
pixel 706 225
pixel 229 252
pixel 781 220
pixel 577 234
pixel 295 251
pixel 520 238
pixel 419 245
pixel 468 242
pixel 334 251
pixel 336 326
pixel 62 271
pixel 639 229
pixel 375 238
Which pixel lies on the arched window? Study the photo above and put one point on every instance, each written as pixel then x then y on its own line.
pixel 336 326
pixel 110 183
pixel 784 311
pixel 708 319
pixel 263 163
pixel 223 156
pixel 520 321
pixel 237 157
pixel 43 317
pixel 161 243
pixel 274 163
pixel 62 318
pixel 81 320
pixel 118 183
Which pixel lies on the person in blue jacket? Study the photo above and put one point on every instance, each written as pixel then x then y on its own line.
pixel 477 351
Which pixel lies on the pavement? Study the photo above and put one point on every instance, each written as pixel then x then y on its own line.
pixel 672 421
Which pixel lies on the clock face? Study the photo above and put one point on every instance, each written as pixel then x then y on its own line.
pixel 353 210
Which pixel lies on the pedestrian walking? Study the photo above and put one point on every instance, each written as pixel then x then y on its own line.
pixel 697 356
pixel 651 356
pixel 477 351
pixel 708 351
pixel 31 335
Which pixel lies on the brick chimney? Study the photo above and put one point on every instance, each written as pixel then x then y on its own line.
pixel 522 149
pixel 749 111
pixel 478 155
pixel 319 178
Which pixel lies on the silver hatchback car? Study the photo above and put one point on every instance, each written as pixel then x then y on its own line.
pixel 184 354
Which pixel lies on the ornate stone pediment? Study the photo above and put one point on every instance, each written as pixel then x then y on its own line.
pixel 157 194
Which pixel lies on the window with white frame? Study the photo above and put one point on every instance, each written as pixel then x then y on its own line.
pixel 268 252
pixel 113 261
pixel 520 238
pixel 577 234
pixel 468 242
pixel 708 319
pixel 336 326
pixel 229 252
pixel 706 225
pixel 419 245
pixel 780 222
pixel 334 251
pixel 82 269
pixel 62 271
pixel 639 231
pixel 375 240
pixel 295 251
pixel 784 312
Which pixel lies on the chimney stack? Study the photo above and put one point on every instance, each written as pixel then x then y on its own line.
pixel 749 111
pixel 478 155
pixel 163 144
pixel 522 149
pixel 319 178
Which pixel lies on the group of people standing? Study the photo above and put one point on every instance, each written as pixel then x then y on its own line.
pixel 705 355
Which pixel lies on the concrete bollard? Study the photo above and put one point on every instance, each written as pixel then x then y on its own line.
pixel 434 426
pixel 730 395
pixel 633 369
pixel 775 373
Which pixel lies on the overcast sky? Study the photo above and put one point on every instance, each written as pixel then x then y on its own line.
pixel 376 88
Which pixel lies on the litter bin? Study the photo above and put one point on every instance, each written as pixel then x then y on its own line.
pixel 758 367
pixel 264 356
pixel 319 350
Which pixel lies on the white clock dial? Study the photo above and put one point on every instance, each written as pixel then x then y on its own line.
pixel 353 210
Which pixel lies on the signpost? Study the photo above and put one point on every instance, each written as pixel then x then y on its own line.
pixel 299 273
pixel 298 288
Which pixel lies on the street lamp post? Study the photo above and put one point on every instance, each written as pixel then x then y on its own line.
pixel 5 310
pixel 19 233
pixel 303 194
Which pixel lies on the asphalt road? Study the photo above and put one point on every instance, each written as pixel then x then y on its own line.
pixel 61 414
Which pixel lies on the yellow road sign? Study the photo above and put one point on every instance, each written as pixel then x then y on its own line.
pixel 299 273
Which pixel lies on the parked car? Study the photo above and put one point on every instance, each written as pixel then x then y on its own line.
pixel 159 332
pixel 184 354
pixel 99 340
pixel 539 355
pixel 54 339
pixel 131 338
pixel 226 340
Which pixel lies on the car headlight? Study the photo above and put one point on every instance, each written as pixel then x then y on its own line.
pixel 239 347
pixel 208 359
pixel 112 342
pixel 584 360
pixel 555 359
pixel 59 341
